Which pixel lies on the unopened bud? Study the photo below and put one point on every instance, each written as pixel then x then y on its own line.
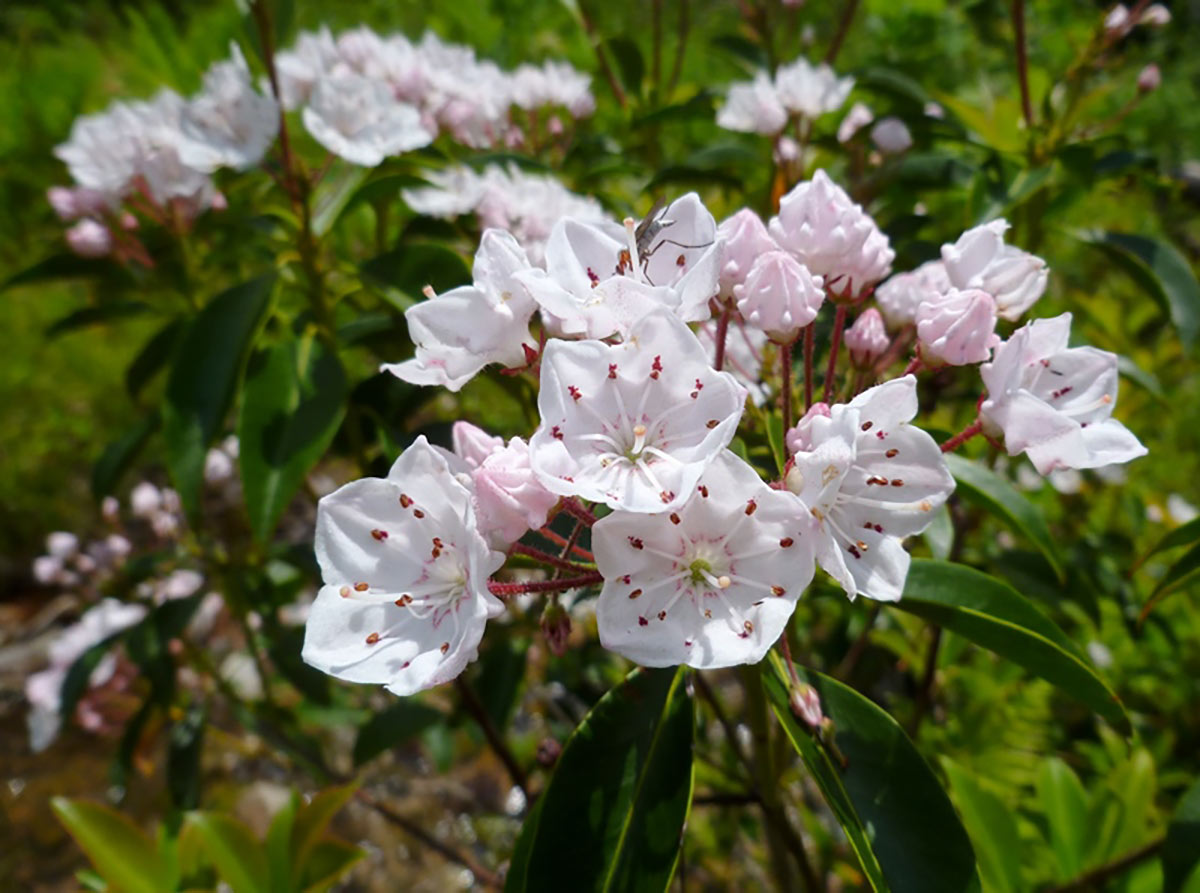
pixel 867 339
pixel 88 238
pixel 548 751
pixel 1149 78
pixel 806 705
pixel 556 627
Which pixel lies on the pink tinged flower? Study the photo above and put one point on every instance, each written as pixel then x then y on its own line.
pixel 1117 22
pixel 859 116
pixel 753 107
pixel 1149 78
pixel 362 121
pixel 145 500
pixel 710 584
pixel 632 425
pixel 509 499
pixel 744 346
pixel 743 237
pixel 780 296
pixel 811 91
pixel 832 236
pixel 1156 15
pixel 71 203
pixel 299 68
pixel 62 544
pixel 459 332
pixel 800 439
pixel 88 238
pixel 228 123
pixel 867 339
pixel 980 259
pixel 1053 402
pixel 869 478
pixel 891 136
pixel 472 444
pixel 806 704
pixel 405 599
pixel 958 328
pixel 902 294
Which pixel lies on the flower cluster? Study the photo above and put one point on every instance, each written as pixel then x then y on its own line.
pixel 650 338
pixel 766 104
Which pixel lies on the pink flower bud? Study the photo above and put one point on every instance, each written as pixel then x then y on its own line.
pixel 779 296
pixel 1149 78
pixel 472 444
pixel 219 202
pixel 859 116
pixel 806 705
pixel 110 509
pixel 799 439
pixel 509 500
pixel 1156 15
pixel 129 222
pixel 62 200
pixel 867 339
pixel 556 627
pixel 743 238
pixel 958 328
pixel 555 126
pixel 88 238
pixel 891 135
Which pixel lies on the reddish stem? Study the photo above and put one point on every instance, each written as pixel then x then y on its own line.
pixel 577 509
pixel 546 558
pixel 963 436
pixel 808 366
pixel 785 390
pixel 563 541
pixel 504 590
pixel 722 333
pixel 914 366
pixel 839 322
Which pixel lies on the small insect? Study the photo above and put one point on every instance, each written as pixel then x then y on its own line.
pixel 647 240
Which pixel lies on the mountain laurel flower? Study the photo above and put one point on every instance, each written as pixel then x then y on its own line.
pixel 891 136
pixel 62 544
pixel 89 238
pixel 711 584
pixel 71 203
pixel 228 123
pixel 867 339
pixel 1053 402
pixel 899 297
pixel 753 107
pixel 632 425
pixel 832 236
pixel 300 68
pixel 811 90
pixel 800 439
pixel 1149 78
pixel 957 328
pixel 780 296
pixel 859 116
pixel 405 596
pixel 870 479
pixel 361 120
pixel 459 332
pixel 980 259
pixel 472 444
pixel 743 237
pixel 509 499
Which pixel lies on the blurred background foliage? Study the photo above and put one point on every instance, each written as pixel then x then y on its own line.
pixel 1031 773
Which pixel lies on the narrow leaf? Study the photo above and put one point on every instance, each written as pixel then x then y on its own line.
pixel 153 356
pixel 234 851
pixel 314 817
pixel 330 859
pixel 124 856
pixel 337 188
pixel 90 316
pixel 1064 803
pixel 279 845
pixel 119 455
pixel 993 830
pixel 1180 574
pixel 993 615
pixel 1184 535
pixel 1181 851
pixel 184 747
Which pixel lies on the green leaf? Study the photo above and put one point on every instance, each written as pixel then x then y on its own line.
pixel 279 845
pixel 293 402
pixel 119 455
pixel 896 815
pixel 613 813
pixel 184 747
pixel 988 490
pixel 124 856
pixel 630 64
pixel 993 830
pixel 1159 267
pixel 403 272
pixel 75 683
pixel 314 817
pixel 153 356
pixel 775 435
pixel 234 851
pixel 992 614
pixel 1181 850
pixel 402 720
pixel 518 866
pixel 337 187
pixel 1183 535
pixel 1064 803
pixel 204 378
pixel 330 859
pixel 1180 574
pixel 60 266
pixel 90 316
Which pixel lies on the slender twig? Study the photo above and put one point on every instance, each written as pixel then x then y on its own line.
pixel 1018 18
pixel 726 799
pixel 897 347
pixel 681 38
pixel 559 540
pixel 570 544
pixel 854 655
pixel 785 387
pixel 577 509
pixel 808 366
pixel 1095 878
pixel 839 322
pixel 735 744
pixel 601 58
pixel 266 37
pixel 478 713
pixel 722 334
pixel 503 590
pixel 915 365
pixel 483 875
pixel 546 558
pixel 839 38
pixel 963 436
pixel 924 699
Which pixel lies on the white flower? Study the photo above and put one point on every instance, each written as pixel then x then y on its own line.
pixel 780 296
pixel 228 123
pixel 405 599
pixel 753 107
pixel 867 339
pixel 635 424
pixel 901 296
pixel 361 120
pixel 743 354
pixel 472 444
pixel 1053 402
pixel 980 259
pixel 459 332
pixel 62 544
pixel 832 236
pixel 145 499
pixel 299 68
pixel 509 500
pixel 870 479
pixel 891 135
pixel 1180 510
pixel 743 237
pixel 552 84
pixel 178 584
pixel 102 152
pixel 958 327
pixel 859 116
pixel 711 584
pixel 811 91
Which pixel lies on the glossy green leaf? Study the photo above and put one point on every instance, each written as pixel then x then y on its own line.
pixel 1163 271
pixel 1064 804
pixel 993 830
pixel 896 815
pixel 329 860
pixel 279 844
pixel 78 677
pixel 124 856
pixel 118 456
pixel 613 813
pixel 184 747
pixel 403 272
pixel 1181 850
pixel 992 614
pixel 996 495
pixel 516 878
pixel 234 851
pixel 91 316
pixel 312 821
pixel 153 356
pixel 401 721
pixel 1183 572
pixel 1183 535
pixel 293 402
pixel 204 378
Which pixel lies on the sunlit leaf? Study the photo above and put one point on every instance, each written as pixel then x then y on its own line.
pixel 124 856
pixel 234 851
